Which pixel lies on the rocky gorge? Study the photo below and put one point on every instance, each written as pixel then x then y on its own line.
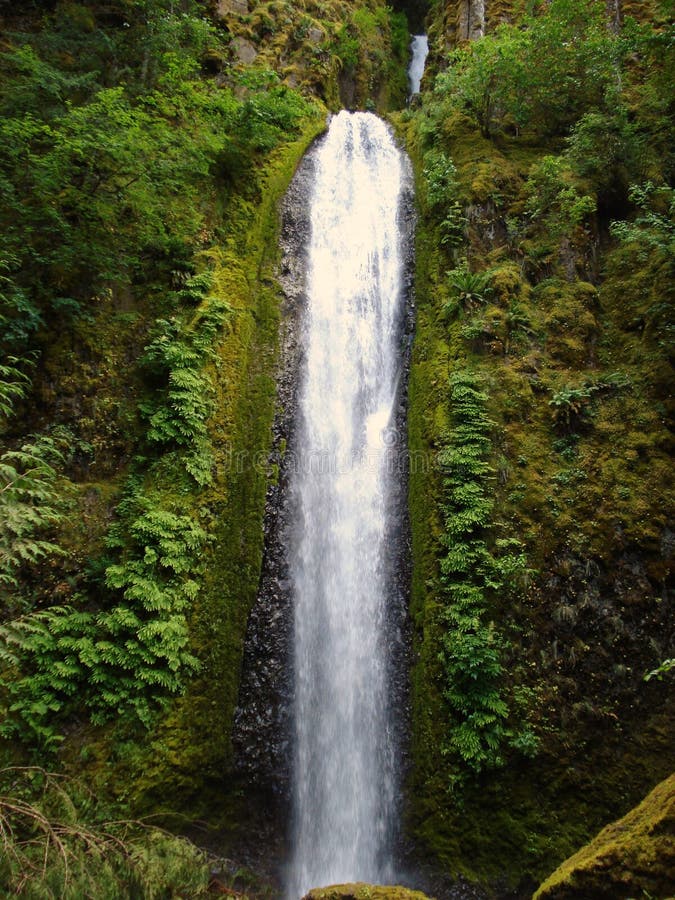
pixel 157 162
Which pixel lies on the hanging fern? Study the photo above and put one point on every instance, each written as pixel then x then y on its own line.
pixel 178 414
pixel 30 503
pixel 470 572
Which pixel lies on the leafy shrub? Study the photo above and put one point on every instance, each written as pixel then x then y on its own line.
pixel 554 199
pixel 270 112
pixel 542 77
pixel 605 147
pixel 654 226
pixel 442 196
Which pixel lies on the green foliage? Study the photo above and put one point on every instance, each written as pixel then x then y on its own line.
pixel 347 48
pixel 55 841
pixel 118 162
pixel 270 112
pixel 102 171
pixel 571 405
pixel 442 200
pixel 124 659
pixel 654 226
pixel 606 147
pixel 31 502
pixel 14 384
pixel 471 573
pixel 541 185
pixel 468 288
pixel 175 360
pixel 371 49
pixel 554 199
pixel 667 666
pixel 541 77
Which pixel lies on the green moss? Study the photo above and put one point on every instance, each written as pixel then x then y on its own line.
pixel 186 749
pixel 582 495
pixel 362 891
pixel 631 857
pixel 570 323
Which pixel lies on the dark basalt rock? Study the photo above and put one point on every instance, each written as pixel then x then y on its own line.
pixel 261 727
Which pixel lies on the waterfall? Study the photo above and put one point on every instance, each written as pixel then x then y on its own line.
pixel 419 50
pixel 344 769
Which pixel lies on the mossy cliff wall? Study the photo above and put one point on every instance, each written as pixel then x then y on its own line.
pixel 350 55
pixel 541 596
pixel 192 748
pixel 161 373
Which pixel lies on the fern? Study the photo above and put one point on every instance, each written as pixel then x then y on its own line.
pixel 178 414
pixel 470 649
pixel 56 842
pixel 31 502
pixel 125 659
pixel 468 288
pixel 14 384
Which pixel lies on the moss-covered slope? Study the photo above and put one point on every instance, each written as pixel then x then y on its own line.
pixel 541 587
pixel 351 55
pixel 632 857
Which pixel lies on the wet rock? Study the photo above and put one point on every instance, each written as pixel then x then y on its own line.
pixel 262 721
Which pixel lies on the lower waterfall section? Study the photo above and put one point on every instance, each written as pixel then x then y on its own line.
pixel 345 772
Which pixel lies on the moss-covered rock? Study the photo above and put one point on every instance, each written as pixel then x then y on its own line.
pixel 363 891
pixel 634 856
pixel 347 54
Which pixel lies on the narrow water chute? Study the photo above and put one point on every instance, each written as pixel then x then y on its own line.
pixel 419 50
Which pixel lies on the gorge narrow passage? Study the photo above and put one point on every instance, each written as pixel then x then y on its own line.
pixel 345 773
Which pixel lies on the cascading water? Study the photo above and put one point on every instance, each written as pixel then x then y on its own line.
pixel 344 772
pixel 419 50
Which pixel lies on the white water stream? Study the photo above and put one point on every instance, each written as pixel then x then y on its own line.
pixel 419 50
pixel 344 774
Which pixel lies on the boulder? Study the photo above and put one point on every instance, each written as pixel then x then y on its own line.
pixel 633 857
pixel 362 891
pixel 225 8
pixel 244 50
